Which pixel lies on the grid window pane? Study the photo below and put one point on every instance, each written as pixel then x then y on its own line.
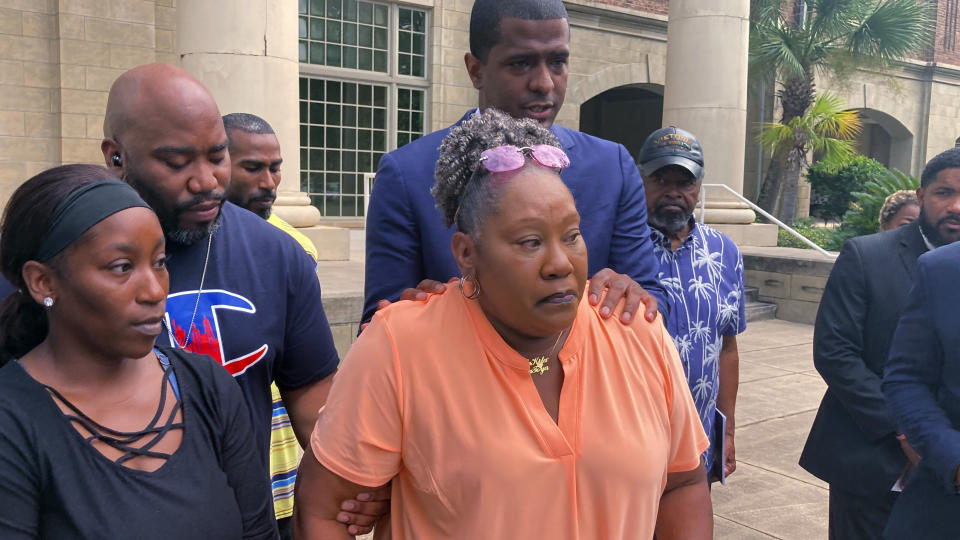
pixel 380 14
pixel 342 136
pixel 349 34
pixel 347 126
pixel 411 39
pixel 345 33
pixel 410 113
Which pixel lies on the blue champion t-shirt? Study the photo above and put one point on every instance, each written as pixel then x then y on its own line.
pixel 259 313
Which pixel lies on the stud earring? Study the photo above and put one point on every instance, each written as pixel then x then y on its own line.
pixel 116 159
pixel 48 302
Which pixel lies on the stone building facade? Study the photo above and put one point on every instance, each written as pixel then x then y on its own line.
pixel 58 58
pixel 374 74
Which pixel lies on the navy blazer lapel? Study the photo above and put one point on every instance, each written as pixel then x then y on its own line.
pixel 911 247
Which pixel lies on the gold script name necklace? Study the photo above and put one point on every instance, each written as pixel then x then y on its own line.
pixel 539 364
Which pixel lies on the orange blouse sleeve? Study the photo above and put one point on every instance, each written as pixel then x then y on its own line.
pixel 359 431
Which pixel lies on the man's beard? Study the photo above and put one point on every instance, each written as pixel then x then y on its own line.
pixel 932 230
pixel 670 221
pixel 169 215
pixel 262 195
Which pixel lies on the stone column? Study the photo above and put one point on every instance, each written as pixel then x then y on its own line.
pixel 245 52
pixel 706 94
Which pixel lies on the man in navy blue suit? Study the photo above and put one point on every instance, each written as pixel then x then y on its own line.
pixel 518 62
pixel 921 384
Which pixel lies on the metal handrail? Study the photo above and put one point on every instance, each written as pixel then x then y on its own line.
pixel 762 212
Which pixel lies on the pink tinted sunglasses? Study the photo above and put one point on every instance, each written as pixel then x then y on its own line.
pixel 510 158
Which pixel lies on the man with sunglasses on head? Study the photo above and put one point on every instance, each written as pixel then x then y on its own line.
pixel 702 271
pixel 518 62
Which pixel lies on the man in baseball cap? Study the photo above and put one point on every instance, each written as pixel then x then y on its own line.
pixel 702 271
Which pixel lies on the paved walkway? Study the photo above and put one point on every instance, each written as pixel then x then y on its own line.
pixel 770 496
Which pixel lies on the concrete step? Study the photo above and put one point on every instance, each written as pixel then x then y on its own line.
pixel 751 293
pixel 760 311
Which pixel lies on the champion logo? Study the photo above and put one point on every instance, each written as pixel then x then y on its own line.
pixel 206 336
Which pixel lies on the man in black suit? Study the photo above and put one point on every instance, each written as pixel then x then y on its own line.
pixel 854 444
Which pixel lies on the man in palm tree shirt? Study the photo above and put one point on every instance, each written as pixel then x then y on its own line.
pixel 702 272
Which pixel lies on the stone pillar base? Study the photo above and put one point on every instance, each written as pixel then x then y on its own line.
pixel 754 234
pixel 294 207
pixel 721 211
pixel 333 243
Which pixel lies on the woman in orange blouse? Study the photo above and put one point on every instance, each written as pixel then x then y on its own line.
pixel 505 407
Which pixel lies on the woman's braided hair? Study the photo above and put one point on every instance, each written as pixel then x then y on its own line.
pixel 456 187
pixel 894 202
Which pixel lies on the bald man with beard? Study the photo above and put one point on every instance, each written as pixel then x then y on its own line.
pixel 241 291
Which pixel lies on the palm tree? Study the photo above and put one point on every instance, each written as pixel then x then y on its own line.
pixel 825 129
pixel 825 36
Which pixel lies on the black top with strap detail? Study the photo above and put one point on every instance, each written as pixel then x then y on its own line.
pixel 125 441
pixel 55 484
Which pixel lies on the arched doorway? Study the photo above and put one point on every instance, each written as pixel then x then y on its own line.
pixel 885 139
pixel 625 114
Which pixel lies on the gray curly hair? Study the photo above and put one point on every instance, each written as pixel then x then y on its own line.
pixel 456 187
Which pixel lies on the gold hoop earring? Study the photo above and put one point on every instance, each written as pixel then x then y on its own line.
pixel 476 288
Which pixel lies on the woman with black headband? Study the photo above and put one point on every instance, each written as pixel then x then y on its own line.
pixel 101 434
pixel 507 407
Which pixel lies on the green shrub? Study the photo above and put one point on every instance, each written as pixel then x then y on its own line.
pixel 833 187
pixel 862 217
pixel 828 239
pixel 864 214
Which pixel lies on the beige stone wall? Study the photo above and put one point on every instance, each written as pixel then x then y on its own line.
pixel 57 62
pixel 451 93
pixel 899 95
pixel 610 49
pixel 29 90
pixel 944 127
pixel 793 279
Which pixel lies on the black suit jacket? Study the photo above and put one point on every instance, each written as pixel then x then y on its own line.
pixel 852 443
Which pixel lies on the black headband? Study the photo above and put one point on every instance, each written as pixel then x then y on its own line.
pixel 82 209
